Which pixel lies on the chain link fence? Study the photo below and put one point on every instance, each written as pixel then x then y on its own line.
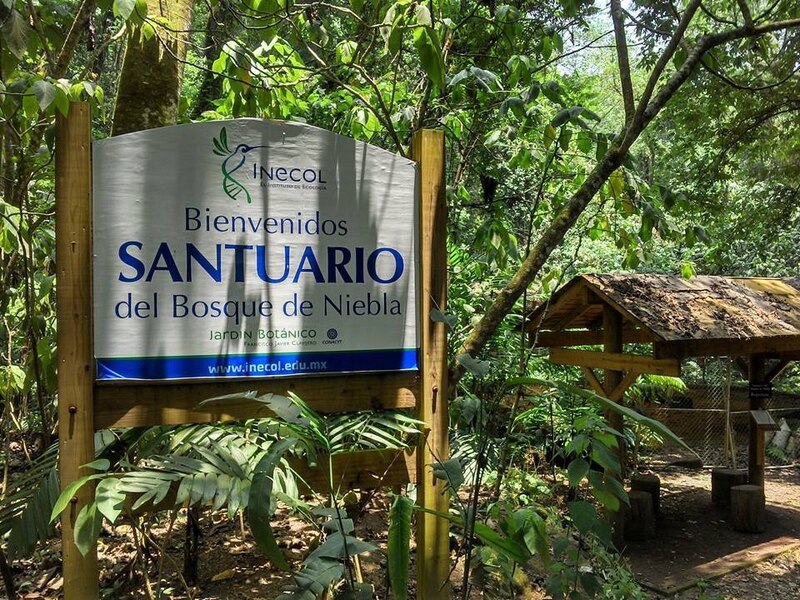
pixel 712 414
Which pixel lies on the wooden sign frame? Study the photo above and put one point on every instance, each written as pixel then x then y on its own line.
pixel 85 405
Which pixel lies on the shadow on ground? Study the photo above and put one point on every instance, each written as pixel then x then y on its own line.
pixel 695 539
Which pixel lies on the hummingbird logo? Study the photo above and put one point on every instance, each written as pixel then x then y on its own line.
pixel 234 159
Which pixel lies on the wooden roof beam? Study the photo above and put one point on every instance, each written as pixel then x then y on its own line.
pixel 585 308
pixel 776 346
pixel 550 339
pixel 777 369
pixel 616 361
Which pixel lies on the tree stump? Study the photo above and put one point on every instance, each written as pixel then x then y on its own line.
pixel 748 508
pixel 722 480
pixel 641 482
pixel 640 523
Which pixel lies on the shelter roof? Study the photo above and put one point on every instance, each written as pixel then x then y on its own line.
pixel 704 315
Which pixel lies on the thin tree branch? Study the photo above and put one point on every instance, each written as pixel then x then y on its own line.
pixel 622 59
pixel 71 41
pixel 666 56
pixel 746 15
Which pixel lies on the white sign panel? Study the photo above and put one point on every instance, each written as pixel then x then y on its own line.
pixel 252 248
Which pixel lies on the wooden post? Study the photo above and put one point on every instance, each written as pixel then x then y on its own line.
pixel 748 508
pixel 755 462
pixel 433 544
pixel 640 520
pixel 651 484
pixel 75 356
pixel 612 342
pixel 722 480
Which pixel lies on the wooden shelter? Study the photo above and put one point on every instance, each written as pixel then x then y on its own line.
pixel 649 323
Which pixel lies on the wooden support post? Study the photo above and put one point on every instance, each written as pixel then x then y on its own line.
pixel 756 463
pixel 612 342
pixel 75 356
pixel 433 543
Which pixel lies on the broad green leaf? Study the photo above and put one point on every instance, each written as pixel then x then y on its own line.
pixel 584 141
pixel 458 77
pixel 536 537
pixel 14 31
pixel 486 79
pixel 101 464
pixel 124 8
pixel 345 51
pixel 66 496
pixel 62 100
pixel 398 549
pixel 87 528
pixel 450 471
pixel 590 583
pixel 605 458
pixel 313 579
pixel 392 31
pixel 478 368
pixel 339 547
pixel 437 316
pixel 602 147
pixel 510 548
pixel 583 514
pixel 560 546
pixel 576 471
pixel 429 50
pixel 601 491
pixel 423 15
pixel 260 503
pixel 109 498
pixel 561 117
pixel 489 537
pixel 616 183
pixel 45 93
pixel 342 525
pixel 550 135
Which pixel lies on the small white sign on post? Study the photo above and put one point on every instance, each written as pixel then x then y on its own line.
pixel 252 248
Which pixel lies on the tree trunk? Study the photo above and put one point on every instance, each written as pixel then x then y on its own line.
pixel 152 71
pixel 219 17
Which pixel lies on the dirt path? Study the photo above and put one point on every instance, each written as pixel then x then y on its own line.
pixel 695 541
pixel 691 533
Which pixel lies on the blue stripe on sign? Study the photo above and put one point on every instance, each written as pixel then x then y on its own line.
pixel 256 365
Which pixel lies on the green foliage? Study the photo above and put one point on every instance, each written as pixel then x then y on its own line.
pixel 522 94
pixel 260 502
pixel 235 466
pixel 399 554
pixel 26 505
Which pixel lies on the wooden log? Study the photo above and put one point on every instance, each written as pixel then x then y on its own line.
pixel 722 480
pixel 642 482
pixel 748 508
pixel 640 522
